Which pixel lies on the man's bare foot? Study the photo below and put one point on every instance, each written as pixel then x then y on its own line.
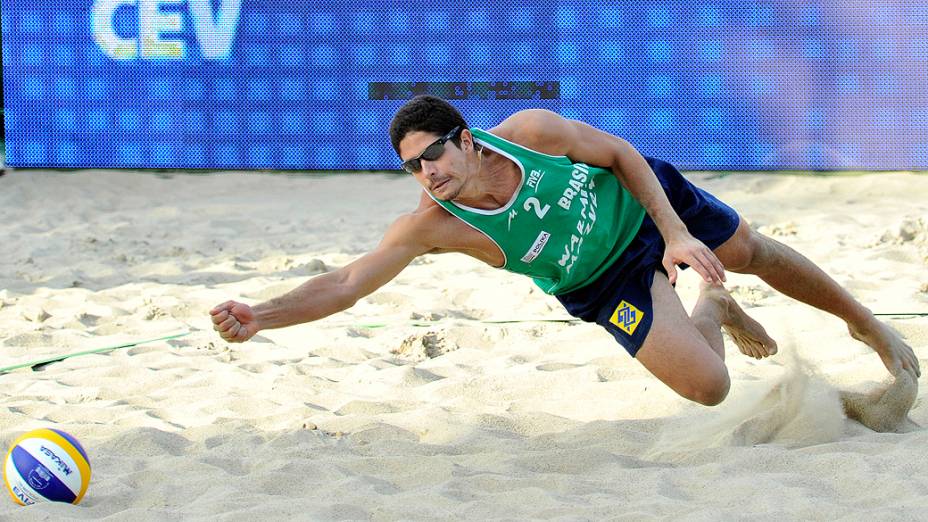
pixel 885 409
pixel 748 334
pixel 894 352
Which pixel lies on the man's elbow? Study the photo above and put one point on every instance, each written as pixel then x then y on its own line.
pixel 348 295
pixel 342 291
pixel 625 158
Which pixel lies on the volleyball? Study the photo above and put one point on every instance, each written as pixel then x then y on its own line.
pixel 46 465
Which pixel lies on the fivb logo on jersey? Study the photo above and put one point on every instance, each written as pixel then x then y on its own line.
pixel 160 22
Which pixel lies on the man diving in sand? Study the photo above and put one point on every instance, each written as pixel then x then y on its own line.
pixel 594 223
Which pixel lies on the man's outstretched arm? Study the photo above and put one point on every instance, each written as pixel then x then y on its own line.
pixel 328 293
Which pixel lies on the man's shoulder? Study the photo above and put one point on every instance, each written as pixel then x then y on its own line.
pixel 428 221
pixel 536 129
pixel 440 231
pixel 523 124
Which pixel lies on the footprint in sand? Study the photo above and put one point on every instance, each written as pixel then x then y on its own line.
pixel 425 346
pixel 553 367
pixel 750 295
pixel 789 228
pixel 911 230
pixel 885 409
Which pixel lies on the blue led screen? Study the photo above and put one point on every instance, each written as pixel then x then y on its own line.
pixel 313 84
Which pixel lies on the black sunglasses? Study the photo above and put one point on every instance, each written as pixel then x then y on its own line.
pixel 431 153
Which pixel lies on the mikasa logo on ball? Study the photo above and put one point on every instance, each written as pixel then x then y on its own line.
pixel 57 460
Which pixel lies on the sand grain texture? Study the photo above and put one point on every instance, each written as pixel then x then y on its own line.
pixel 457 419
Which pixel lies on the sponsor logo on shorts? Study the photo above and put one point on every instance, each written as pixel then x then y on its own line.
pixel 626 317
pixel 537 247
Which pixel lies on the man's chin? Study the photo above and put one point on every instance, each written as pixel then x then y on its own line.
pixel 444 195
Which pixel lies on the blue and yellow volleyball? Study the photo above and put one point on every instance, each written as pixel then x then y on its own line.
pixel 46 465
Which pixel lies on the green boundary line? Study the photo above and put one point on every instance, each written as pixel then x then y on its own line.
pixel 421 324
pixel 56 358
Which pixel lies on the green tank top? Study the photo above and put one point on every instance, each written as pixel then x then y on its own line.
pixel 565 224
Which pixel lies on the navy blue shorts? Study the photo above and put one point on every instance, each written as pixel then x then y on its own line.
pixel 619 300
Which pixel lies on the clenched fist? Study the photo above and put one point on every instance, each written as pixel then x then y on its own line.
pixel 234 321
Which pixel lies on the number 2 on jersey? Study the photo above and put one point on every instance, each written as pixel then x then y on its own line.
pixel 533 204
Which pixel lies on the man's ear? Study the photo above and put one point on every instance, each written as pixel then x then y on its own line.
pixel 467 140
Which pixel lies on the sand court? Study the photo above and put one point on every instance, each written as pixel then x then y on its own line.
pixel 423 401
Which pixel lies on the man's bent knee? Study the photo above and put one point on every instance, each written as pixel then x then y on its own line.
pixel 710 391
pixel 739 252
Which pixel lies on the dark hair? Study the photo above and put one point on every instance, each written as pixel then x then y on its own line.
pixel 426 114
